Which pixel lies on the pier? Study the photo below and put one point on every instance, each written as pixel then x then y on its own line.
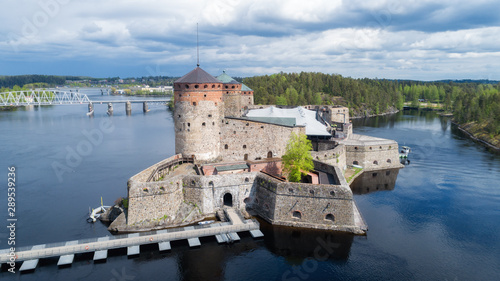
pixel 225 232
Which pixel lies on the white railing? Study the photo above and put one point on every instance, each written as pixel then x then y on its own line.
pixel 43 97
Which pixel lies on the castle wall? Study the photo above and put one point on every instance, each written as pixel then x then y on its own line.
pixel 208 191
pixel 373 157
pixel 335 157
pixel 282 203
pixel 149 201
pixel 305 205
pixel 246 99
pixel 254 139
pixel 232 104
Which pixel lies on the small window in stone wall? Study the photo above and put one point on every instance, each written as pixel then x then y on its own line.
pixel 213 86
pixel 387 173
pixel 266 207
pixel 355 148
pixel 203 124
pixel 290 190
pixel 246 200
pixel 193 182
pixel 211 184
pixel 209 115
pixel 262 127
pixel 189 124
pixel 374 174
pixel 375 162
pixel 204 96
pixel 247 179
pixel 355 163
pixel 226 146
pixel 206 86
pixel 187 86
pixel 213 123
pixel 296 215
pixel 244 146
pixel 380 147
pixel 312 192
pixel 332 193
pixel 196 86
pixel 194 103
pixel 330 217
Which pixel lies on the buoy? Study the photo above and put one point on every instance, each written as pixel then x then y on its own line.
pixel 16 257
pixel 151 239
pixel 87 247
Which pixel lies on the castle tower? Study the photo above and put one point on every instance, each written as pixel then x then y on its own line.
pixel 237 96
pixel 198 115
pixel 231 95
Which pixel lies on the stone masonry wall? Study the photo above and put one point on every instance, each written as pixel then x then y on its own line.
pixel 153 200
pixel 336 156
pixel 305 205
pixel 232 104
pixel 373 157
pixel 208 191
pixel 197 129
pixel 254 139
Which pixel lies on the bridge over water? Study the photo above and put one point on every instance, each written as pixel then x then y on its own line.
pixel 55 97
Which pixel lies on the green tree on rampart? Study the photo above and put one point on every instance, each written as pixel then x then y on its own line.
pixel 297 160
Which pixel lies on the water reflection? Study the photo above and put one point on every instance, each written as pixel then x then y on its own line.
pixel 372 181
pixel 212 261
pixel 297 244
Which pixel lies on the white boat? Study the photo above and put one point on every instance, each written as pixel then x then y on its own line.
pixel 97 212
pixel 405 150
pixel 206 222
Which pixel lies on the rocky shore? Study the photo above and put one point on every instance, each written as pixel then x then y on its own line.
pixel 477 132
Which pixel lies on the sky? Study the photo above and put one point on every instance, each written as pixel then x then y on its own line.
pixel 392 39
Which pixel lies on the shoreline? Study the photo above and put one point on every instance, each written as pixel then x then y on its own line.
pixel 472 136
pixel 374 115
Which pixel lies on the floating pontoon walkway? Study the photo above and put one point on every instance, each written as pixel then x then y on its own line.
pixel 224 232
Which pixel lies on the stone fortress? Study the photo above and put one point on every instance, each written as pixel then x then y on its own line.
pixel 228 155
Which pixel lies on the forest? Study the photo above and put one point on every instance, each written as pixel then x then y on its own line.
pixel 469 100
pixel 475 101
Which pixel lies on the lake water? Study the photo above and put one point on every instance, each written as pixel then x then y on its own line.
pixel 436 219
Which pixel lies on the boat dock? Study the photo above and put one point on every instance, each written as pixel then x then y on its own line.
pixel 225 232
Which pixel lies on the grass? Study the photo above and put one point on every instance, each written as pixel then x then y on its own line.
pixel 356 171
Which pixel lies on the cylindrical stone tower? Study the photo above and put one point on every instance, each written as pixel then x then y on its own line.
pixel 198 115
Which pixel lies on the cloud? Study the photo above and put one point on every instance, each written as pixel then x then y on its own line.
pixel 379 38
